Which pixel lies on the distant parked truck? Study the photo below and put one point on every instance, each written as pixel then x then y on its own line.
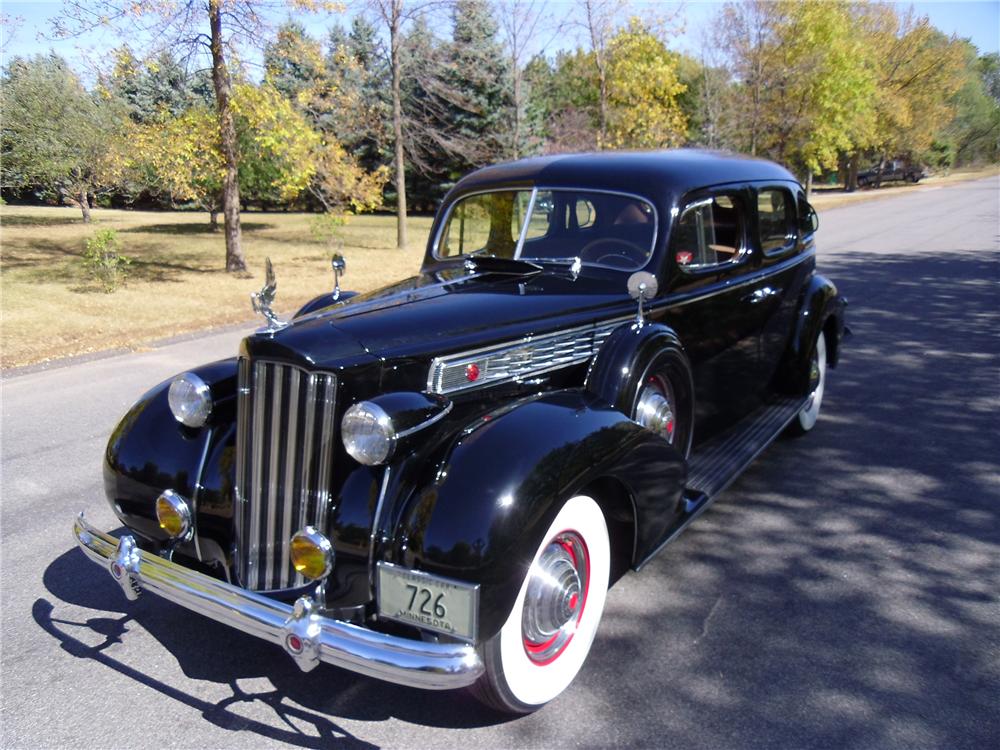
pixel 896 170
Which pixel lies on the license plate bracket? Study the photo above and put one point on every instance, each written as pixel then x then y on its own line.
pixel 427 601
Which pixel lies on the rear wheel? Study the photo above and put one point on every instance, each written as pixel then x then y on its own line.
pixel 805 420
pixel 545 640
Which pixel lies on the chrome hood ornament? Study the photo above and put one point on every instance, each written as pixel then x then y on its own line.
pixel 339 266
pixel 262 300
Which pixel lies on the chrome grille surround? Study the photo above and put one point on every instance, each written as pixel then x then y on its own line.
pixel 285 435
pixel 521 359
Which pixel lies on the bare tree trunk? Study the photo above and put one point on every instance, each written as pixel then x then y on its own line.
pixel 235 260
pixel 397 123
pixel 81 198
pixel 516 145
pixel 852 173
pixel 809 183
pixel 213 218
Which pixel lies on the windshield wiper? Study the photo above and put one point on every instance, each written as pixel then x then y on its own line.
pixel 493 264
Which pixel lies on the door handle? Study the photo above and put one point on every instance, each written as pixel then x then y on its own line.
pixel 759 295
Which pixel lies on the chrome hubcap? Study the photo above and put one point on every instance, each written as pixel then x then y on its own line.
pixel 555 597
pixel 655 410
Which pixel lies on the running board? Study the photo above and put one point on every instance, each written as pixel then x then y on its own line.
pixel 715 465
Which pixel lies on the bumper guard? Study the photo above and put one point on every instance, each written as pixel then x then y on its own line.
pixel 306 635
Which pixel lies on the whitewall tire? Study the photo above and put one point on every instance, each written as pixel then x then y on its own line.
pixel 807 416
pixel 547 636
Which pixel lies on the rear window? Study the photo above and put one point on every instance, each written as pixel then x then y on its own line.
pixel 606 229
pixel 776 217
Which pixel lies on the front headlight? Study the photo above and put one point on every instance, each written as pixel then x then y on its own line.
pixel 368 433
pixel 190 400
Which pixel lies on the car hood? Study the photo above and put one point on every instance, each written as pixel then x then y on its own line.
pixel 444 312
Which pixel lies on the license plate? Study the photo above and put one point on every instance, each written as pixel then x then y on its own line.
pixel 428 601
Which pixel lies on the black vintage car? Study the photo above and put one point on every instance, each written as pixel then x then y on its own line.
pixel 435 483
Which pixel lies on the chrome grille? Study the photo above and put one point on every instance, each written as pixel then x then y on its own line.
pixel 284 456
pixel 519 360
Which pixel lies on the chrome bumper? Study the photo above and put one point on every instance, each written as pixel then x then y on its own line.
pixel 305 634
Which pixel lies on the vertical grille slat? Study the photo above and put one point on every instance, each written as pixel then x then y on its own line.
pixel 307 452
pixel 274 452
pixel 291 444
pixel 283 467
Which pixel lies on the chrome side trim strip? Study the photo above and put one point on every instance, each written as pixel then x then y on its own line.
pixel 306 635
pixel 427 422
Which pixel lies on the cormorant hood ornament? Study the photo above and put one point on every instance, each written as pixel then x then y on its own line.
pixel 262 300
pixel 339 266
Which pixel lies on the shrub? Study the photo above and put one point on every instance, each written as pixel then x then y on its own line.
pixel 104 262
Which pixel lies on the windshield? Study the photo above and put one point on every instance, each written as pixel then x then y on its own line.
pixel 607 229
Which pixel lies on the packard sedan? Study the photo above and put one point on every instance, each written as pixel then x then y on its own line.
pixel 435 483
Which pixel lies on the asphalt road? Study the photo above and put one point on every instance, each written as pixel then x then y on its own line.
pixel 842 594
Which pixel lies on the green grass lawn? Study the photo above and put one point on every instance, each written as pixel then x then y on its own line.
pixel 50 308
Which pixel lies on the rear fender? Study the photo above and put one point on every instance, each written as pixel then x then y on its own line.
pixel 821 309
pixel 506 476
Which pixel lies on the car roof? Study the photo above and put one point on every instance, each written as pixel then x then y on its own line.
pixel 653 174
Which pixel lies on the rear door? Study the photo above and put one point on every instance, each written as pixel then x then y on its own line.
pixel 786 260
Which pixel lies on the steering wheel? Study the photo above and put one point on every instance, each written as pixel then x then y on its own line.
pixel 612 251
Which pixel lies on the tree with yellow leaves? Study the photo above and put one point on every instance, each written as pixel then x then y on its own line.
pixel 181 156
pixel 643 90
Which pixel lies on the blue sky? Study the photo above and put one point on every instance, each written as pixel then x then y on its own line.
pixel 978 20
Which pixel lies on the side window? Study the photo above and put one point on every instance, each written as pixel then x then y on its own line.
pixel 776 217
pixel 709 233
pixel 584 213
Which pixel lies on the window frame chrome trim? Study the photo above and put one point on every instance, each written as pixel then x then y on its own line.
pixel 746 250
pixel 793 241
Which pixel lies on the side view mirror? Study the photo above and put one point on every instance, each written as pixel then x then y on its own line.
pixel 810 222
pixel 339 265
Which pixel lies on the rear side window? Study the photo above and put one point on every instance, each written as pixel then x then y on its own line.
pixel 776 218
pixel 709 233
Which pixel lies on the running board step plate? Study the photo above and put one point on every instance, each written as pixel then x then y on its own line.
pixel 715 465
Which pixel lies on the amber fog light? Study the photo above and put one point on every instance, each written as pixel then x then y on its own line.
pixel 311 553
pixel 173 514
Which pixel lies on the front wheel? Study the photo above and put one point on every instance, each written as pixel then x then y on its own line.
pixel 546 638
pixel 805 420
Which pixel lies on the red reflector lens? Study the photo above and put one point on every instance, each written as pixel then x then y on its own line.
pixel 472 373
pixel 295 643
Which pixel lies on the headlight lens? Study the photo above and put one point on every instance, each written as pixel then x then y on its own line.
pixel 173 514
pixel 190 400
pixel 368 433
pixel 311 553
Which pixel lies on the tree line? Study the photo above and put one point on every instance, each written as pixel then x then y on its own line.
pixel 390 109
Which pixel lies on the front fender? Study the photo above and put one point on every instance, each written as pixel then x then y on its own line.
pixel 150 451
pixel 505 478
